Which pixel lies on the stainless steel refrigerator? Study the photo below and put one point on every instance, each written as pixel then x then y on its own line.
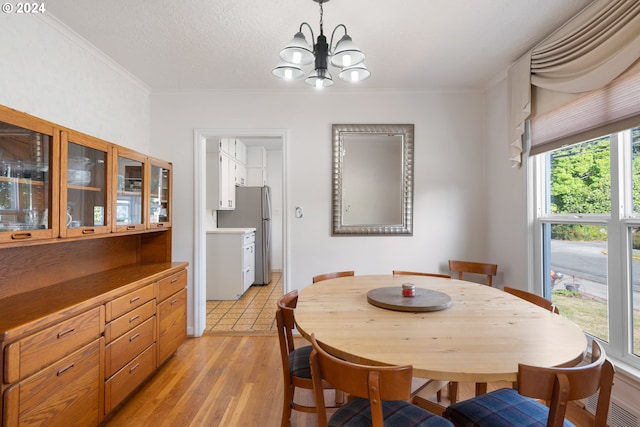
pixel 253 209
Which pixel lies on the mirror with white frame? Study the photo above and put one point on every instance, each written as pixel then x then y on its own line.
pixel 372 179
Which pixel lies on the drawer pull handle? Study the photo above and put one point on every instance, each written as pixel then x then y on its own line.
pixel 174 301
pixel 134 337
pixel 134 367
pixel 159 225
pixel 134 299
pixel 134 318
pixel 174 280
pixel 21 236
pixel 65 332
pixel 131 227
pixel 88 231
pixel 65 369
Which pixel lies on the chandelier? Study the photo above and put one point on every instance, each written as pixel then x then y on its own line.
pixel 344 55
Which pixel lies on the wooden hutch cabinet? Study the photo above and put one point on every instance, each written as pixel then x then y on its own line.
pixel 91 303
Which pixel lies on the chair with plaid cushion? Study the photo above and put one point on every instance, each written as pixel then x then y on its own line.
pixel 378 394
pixel 295 361
pixel 557 386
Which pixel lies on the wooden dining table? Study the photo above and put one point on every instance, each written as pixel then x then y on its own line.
pixel 480 337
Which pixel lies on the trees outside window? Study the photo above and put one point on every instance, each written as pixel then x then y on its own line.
pixel 587 235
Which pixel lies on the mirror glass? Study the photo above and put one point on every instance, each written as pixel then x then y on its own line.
pixel 372 179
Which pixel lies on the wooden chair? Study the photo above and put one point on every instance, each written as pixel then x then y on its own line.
pixel 327 276
pixel 295 361
pixel 557 386
pixel 490 270
pixel 416 273
pixel 379 393
pixel 533 298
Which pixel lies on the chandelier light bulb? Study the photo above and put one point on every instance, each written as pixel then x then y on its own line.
pixel 288 74
pixel 297 57
pixel 346 60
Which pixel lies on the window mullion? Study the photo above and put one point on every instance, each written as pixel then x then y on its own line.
pixel 617 262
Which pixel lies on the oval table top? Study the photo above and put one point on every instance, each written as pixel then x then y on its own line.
pixel 481 337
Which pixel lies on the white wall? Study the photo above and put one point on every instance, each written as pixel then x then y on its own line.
pixel 449 199
pixel 49 72
pixel 506 195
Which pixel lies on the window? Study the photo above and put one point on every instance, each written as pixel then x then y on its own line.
pixel 587 237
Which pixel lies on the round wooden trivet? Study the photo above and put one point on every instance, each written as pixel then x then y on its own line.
pixel 425 300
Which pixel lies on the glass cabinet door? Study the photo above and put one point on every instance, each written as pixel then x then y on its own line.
pixel 129 209
pixel 159 194
pixel 27 177
pixel 85 177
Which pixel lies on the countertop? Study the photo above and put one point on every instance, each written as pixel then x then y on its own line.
pixel 230 230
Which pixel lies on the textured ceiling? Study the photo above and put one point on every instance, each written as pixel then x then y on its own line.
pixel 234 44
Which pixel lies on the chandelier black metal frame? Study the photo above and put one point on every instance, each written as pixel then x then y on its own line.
pixel 344 55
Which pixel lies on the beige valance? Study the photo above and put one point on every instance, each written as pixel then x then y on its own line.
pixel 584 55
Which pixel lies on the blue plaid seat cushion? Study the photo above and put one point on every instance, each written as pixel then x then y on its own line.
pixel 396 413
pixel 299 362
pixel 500 408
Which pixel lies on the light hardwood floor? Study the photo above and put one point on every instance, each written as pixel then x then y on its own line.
pixel 226 381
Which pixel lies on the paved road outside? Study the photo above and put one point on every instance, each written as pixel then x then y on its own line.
pixel 587 262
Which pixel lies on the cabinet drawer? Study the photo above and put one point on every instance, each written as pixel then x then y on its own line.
pixel 118 387
pixel 30 354
pixel 125 303
pixel 172 284
pixel 248 239
pixel 128 321
pixel 124 349
pixel 172 321
pixel 67 393
pixel 248 277
pixel 248 256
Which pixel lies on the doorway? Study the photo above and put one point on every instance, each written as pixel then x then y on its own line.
pixel 274 141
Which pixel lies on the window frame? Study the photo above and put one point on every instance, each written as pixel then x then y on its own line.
pixel 618 222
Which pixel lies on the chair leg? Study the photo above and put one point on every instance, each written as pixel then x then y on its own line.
pixel 481 388
pixel 453 392
pixel 286 408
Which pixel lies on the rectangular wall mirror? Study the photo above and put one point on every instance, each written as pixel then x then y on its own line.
pixel 372 180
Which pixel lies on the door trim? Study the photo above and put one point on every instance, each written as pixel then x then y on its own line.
pixel 199 299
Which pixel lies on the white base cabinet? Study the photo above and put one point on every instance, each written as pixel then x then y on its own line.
pixel 231 261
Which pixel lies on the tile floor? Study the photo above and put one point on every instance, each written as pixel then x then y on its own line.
pixel 253 313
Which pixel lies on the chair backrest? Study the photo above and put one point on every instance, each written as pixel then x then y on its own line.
pixel 460 267
pixel 416 273
pixel 376 383
pixel 533 298
pixel 560 385
pixel 327 276
pixel 286 323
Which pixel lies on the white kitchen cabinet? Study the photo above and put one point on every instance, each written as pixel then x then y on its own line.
pixel 231 262
pixel 256 166
pixel 221 186
pixel 240 175
pixel 239 151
